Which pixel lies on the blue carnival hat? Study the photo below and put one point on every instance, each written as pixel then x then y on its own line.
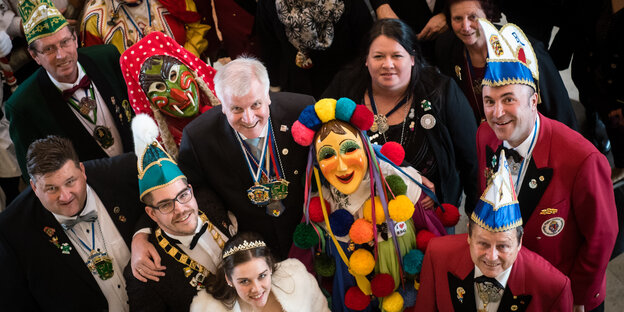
pixel 511 59
pixel 498 209
pixel 156 168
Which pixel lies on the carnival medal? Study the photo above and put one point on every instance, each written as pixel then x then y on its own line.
pixel 103 136
pixel 101 264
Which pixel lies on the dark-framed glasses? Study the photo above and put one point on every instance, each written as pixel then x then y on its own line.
pixel 168 205
pixel 53 48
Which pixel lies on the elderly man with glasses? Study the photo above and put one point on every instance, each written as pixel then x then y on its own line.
pixel 78 94
pixel 188 243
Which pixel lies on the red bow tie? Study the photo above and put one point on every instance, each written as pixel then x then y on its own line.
pixel 84 83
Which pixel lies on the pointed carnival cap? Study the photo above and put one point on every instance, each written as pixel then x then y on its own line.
pixel 40 19
pixel 511 59
pixel 498 209
pixel 155 167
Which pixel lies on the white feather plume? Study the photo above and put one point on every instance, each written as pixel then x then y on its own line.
pixel 144 131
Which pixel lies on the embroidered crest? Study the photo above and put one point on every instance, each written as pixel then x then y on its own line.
pixel 553 226
pixel 496 45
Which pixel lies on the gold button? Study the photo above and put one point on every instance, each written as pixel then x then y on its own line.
pixel 296 172
pixel 285 151
pixel 122 218
pixel 597 295
pixel 116 209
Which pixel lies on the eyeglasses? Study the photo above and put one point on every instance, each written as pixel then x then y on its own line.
pixel 53 49
pixel 167 206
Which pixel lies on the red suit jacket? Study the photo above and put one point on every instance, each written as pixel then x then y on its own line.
pixel 447 281
pixel 567 203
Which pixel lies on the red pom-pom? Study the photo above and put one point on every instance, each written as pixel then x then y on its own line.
pixel 302 134
pixel 394 151
pixel 316 214
pixel 382 285
pixel 450 216
pixel 362 118
pixel 422 239
pixel 355 299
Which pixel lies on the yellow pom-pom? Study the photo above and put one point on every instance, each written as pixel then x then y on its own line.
pixel 393 303
pixel 380 216
pixel 325 109
pixel 401 208
pixel 362 262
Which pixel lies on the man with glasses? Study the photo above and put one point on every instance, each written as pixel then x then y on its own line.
pixel 64 243
pixel 80 95
pixel 188 243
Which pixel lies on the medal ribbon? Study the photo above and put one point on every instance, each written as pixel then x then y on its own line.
pixel 374 106
pixel 529 152
pixel 76 105
pixel 92 238
pixel 255 175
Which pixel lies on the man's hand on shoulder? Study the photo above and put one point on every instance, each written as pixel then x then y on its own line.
pixel 145 260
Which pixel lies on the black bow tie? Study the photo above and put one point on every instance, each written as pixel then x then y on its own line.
pixel 84 83
pixel 488 280
pixel 509 153
pixel 89 217
pixel 198 235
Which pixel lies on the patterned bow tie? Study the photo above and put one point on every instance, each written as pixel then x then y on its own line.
pixel 84 83
pixel 490 289
pixel 510 153
pixel 89 217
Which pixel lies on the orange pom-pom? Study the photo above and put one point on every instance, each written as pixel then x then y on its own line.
pixel 380 216
pixel 394 151
pixel 361 231
pixel 450 216
pixel 315 212
pixel 422 239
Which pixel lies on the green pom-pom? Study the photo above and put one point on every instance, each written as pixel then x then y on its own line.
pixel 324 265
pixel 397 185
pixel 305 236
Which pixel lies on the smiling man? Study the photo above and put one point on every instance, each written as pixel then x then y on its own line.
pixel 221 150
pixel 65 241
pixel 492 272
pixel 562 181
pixel 78 94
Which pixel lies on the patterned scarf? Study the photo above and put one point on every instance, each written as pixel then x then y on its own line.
pixel 309 25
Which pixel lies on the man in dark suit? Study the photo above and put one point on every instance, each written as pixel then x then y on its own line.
pixel 563 181
pixel 63 242
pixel 78 94
pixel 491 272
pixel 220 150
pixel 188 243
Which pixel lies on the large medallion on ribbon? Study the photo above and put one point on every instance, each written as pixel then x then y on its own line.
pixel 101 264
pixel 259 194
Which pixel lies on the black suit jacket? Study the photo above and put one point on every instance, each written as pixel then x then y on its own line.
pixel 37 108
pixel 36 276
pixel 211 157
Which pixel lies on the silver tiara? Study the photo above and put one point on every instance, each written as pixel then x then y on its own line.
pixel 244 246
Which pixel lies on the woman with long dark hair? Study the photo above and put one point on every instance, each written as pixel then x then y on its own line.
pixel 415 106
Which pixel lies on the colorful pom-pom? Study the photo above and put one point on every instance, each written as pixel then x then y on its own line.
pixel 382 285
pixel 393 303
pixel 340 222
pixel 324 265
pixel 397 185
pixel 394 152
pixel 305 236
pixel 301 134
pixel 344 109
pixel 412 261
pixel 422 239
pixel 362 262
pixel 401 208
pixel 409 296
pixel 356 300
pixel 450 216
pixel 362 118
pixel 361 231
pixel 309 118
pixel 380 216
pixel 325 109
pixel 314 210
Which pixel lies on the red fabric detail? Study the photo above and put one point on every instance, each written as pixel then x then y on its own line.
pixel 177 29
pixel 522 56
pixel 88 39
pixel 422 239
pixel 177 8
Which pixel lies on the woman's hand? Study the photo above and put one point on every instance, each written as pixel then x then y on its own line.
pixel 425 201
pixel 435 26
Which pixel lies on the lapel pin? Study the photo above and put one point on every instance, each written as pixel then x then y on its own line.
pixel 541 178
pixel 533 184
pixel 285 151
pixel 514 308
pixel 460 294
pixel 284 128
pixel 458 72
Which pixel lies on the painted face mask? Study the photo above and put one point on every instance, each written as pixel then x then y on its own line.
pixel 342 159
pixel 170 85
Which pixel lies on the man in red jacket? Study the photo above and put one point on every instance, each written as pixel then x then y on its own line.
pixel 562 181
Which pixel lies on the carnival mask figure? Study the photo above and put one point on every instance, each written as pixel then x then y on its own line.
pixel 170 86
pixel 341 156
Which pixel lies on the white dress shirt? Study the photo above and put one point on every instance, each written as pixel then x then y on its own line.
pixel 107 238
pixel 104 116
pixel 525 149
pixel 501 278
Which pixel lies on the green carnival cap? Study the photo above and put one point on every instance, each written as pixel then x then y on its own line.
pixel 40 19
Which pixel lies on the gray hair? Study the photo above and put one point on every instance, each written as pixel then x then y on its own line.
pixel 235 78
